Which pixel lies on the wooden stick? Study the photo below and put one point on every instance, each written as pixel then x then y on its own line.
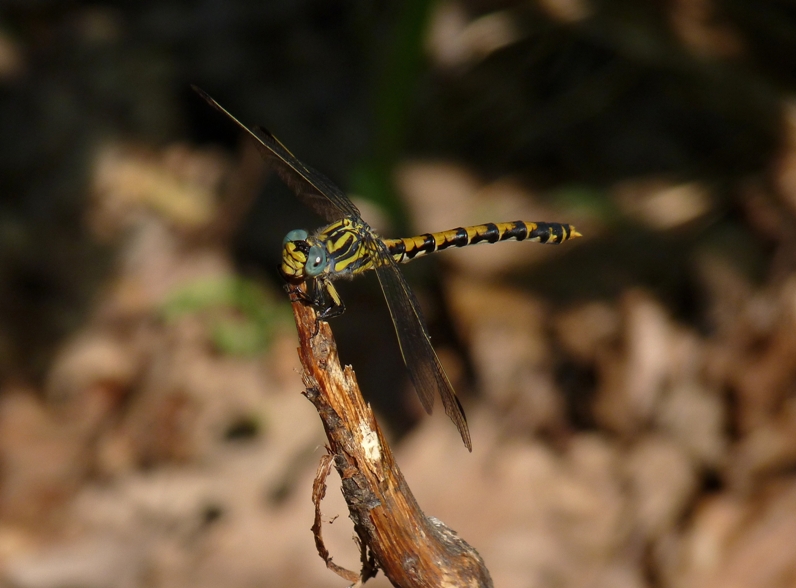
pixel 412 549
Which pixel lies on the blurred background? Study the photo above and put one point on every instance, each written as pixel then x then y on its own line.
pixel 631 395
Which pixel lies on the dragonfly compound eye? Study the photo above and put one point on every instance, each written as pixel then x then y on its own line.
pixel 295 235
pixel 316 261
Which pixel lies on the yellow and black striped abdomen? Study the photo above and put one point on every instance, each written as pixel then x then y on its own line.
pixel 409 248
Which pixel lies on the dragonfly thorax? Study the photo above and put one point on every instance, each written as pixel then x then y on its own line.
pixel 334 251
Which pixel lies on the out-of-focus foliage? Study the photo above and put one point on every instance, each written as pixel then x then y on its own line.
pixel 242 318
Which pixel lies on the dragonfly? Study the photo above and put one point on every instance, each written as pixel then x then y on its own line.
pixel 348 246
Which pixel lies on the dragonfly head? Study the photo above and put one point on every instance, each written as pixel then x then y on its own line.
pixel 301 257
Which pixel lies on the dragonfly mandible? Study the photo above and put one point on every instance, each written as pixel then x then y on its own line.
pixel 348 246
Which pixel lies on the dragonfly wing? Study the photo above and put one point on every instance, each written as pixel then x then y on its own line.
pixel 425 369
pixel 311 187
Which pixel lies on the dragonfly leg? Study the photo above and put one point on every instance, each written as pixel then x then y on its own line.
pixel 329 303
pixel 296 293
pixel 322 296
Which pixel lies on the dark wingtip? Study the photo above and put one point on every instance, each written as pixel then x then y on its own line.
pixel 467 442
pixel 266 132
pixel 211 101
pixel 464 430
pixel 202 93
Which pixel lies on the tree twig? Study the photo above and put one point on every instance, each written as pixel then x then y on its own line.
pixel 412 549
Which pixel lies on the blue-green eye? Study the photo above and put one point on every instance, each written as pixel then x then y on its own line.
pixel 295 235
pixel 316 261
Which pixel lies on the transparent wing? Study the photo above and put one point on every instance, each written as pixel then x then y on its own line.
pixel 311 187
pixel 419 356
